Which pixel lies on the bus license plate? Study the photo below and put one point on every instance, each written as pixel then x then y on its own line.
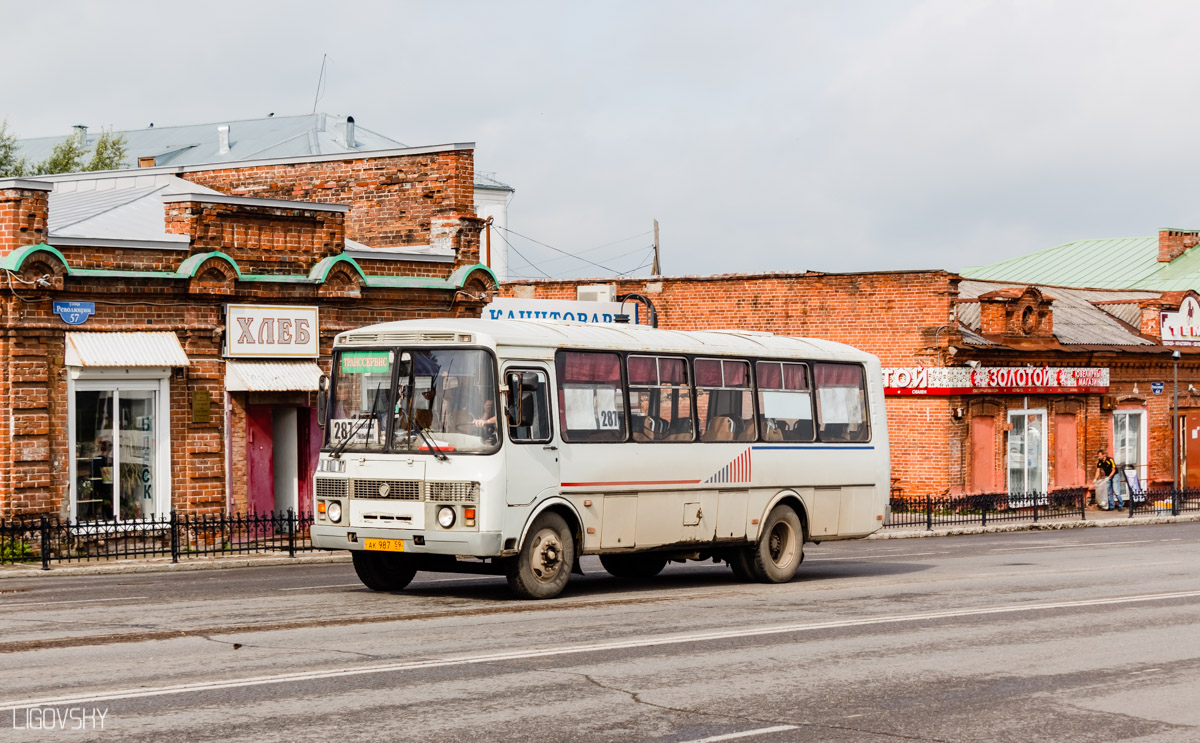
pixel 384 545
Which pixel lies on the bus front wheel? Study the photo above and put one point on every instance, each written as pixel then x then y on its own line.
pixel 541 569
pixel 780 548
pixel 383 571
pixel 634 566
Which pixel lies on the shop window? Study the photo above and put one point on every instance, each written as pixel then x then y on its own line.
pixel 117 444
pixel 1129 445
pixel 1026 460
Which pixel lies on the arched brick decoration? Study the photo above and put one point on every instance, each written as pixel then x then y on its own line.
pixel 342 282
pixel 1070 407
pixel 215 276
pixel 44 264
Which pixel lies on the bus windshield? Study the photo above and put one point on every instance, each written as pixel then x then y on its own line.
pixel 418 400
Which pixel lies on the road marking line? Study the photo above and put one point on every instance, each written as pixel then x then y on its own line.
pixel 1072 545
pixel 744 734
pixel 313 588
pixel 880 557
pixel 511 655
pixel 7 605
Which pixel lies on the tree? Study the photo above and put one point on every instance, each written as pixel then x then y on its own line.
pixel 110 152
pixel 10 163
pixel 68 156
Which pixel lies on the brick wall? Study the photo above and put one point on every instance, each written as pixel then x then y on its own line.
pixel 23 212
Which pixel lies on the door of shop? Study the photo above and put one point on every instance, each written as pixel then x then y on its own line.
pixel 282 447
pixel 1189 423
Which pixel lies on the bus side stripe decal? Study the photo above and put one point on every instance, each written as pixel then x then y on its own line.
pixel 736 471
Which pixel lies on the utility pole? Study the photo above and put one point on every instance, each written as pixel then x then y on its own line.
pixel 655 270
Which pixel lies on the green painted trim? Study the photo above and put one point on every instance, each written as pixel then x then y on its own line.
pixel 407 282
pixel 102 273
pixel 320 272
pixel 189 267
pixel 278 279
pixel 458 279
pixel 14 260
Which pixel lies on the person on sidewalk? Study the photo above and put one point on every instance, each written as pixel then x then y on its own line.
pixel 1106 469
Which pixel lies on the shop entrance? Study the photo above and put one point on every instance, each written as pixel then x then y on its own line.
pixel 1189 447
pixel 282 446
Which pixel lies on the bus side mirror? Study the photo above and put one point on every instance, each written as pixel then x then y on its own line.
pixel 322 400
pixel 512 411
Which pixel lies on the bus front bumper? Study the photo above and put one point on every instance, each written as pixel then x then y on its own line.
pixel 472 543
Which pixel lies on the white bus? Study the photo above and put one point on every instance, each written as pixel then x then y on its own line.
pixel 514 447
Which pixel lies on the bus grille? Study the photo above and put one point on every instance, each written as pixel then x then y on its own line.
pixel 331 487
pixel 388 489
pixel 453 492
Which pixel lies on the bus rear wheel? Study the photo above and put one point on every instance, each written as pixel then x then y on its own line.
pixel 634 566
pixel 541 569
pixel 383 571
pixel 780 548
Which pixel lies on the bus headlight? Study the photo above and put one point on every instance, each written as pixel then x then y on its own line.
pixel 446 517
pixel 334 511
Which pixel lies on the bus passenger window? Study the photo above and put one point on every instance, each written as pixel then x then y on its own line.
pixel 841 402
pixel 784 401
pixel 660 398
pixel 724 402
pixel 591 396
pixel 534 408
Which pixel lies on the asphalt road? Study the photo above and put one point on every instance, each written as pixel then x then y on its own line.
pixel 1087 634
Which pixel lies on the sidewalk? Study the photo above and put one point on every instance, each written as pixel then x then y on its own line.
pixel 1095 518
pixel 164 564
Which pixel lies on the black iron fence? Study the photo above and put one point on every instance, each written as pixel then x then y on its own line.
pixel 48 539
pixel 986 508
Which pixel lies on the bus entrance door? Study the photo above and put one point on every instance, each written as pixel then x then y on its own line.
pixel 531 452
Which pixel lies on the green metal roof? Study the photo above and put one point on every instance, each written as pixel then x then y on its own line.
pixel 1117 263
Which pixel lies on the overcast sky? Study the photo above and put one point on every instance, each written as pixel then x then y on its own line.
pixel 763 136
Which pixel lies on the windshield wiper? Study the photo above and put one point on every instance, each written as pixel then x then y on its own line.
pixel 437 450
pixel 337 451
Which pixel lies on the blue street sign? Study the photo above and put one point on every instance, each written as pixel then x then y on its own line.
pixel 1157 387
pixel 74 313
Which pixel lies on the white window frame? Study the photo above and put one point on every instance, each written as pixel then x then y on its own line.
pixel 1027 412
pixel 1141 467
pixel 128 378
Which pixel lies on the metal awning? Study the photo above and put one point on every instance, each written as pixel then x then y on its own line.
pixel 124 349
pixel 271 376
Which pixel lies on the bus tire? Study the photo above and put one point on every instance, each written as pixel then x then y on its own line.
pixel 634 566
pixel 780 549
pixel 382 571
pixel 741 562
pixel 543 566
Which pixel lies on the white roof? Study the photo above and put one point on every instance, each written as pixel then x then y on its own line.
pixel 116 207
pixel 159 349
pixel 529 333
pixel 271 376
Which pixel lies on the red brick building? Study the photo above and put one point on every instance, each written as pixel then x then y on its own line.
pixel 991 387
pixel 165 328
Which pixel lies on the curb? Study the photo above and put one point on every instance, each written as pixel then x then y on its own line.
pixel 950 531
pixel 164 565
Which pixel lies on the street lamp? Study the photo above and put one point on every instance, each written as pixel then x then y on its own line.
pixel 1175 439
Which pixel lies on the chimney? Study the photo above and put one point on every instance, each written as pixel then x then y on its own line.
pixel 146 162
pixel 349 133
pixel 80 130
pixel 24 211
pixel 223 139
pixel 1174 243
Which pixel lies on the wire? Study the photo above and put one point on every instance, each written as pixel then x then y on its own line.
pixel 512 247
pixel 557 250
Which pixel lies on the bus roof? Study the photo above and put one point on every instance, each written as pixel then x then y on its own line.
pixel 617 337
